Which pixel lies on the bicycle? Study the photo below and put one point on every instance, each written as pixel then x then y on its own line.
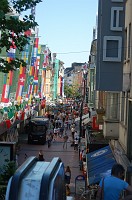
pixel 2 197
pixel 88 194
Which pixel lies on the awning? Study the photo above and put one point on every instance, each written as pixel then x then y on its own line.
pixel 99 164
pixel 86 121
pixel 83 117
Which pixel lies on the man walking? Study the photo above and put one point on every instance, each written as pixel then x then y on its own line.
pixel 65 138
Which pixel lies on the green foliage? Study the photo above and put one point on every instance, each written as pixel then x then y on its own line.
pixel 7 171
pixel 71 91
pixel 12 29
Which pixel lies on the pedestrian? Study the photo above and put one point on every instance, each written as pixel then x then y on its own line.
pixel 69 122
pixel 76 141
pixel 68 191
pixel 41 156
pixel 49 140
pixel 55 132
pixel 56 123
pixel 61 131
pixel 111 187
pixel 65 138
pixel 76 135
pixel 72 131
pixel 65 126
pixel 67 176
pixel 58 131
pixel 83 130
pixel 51 135
pixel 26 156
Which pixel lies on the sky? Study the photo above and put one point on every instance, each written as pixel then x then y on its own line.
pixel 66 27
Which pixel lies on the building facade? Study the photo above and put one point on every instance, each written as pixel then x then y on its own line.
pixel 113 76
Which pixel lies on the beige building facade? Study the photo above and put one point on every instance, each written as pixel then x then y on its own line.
pixel 122 147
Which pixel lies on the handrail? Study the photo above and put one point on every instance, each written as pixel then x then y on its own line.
pixel 17 178
pixel 46 178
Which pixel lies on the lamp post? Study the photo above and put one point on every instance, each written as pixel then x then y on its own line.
pixel 84 73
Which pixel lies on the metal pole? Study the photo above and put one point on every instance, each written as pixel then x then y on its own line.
pixel 80 124
pixel 81 111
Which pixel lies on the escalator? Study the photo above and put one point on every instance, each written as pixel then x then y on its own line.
pixel 37 180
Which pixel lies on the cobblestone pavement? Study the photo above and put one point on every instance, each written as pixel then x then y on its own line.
pixel 68 156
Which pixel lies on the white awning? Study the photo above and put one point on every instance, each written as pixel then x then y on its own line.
pixel 83 117
pixel 86 121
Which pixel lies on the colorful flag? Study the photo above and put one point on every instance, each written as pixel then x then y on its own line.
pixel 33 71
pixel 35 81
pixel 9 77
pixel 46 58
pixel 6 92
pixel 6 87
pixel 21 82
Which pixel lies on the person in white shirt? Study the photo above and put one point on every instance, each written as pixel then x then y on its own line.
pixel 76 135
pixel 76 141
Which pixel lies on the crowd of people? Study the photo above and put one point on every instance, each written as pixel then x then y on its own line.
pixel 63 126
pixel 60 125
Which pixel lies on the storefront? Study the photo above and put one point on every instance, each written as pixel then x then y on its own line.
pixel 82 157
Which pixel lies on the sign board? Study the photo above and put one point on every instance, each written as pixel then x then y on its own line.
pixel 7 152
pixel 80 184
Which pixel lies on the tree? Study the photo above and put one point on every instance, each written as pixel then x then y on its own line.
pixel 13 29
pixel 6 172
pixel 71 91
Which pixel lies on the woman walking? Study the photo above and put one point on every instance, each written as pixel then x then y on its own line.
pixel 41 156
pixel 67 175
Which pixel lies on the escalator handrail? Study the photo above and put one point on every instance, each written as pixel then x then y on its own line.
pixel 47 176
pixel 17 177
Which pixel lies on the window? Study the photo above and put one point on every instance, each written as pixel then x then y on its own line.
pixel 112 46
pixel 125 43
pixel 115 19
pixel 122 105
pixel 129 41
pixel 113 106
pixel 126 109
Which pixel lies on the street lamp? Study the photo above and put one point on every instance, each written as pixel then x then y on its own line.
pixel 85 72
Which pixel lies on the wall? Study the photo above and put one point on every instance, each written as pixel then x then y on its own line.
pixel 109 71
pixel 111 129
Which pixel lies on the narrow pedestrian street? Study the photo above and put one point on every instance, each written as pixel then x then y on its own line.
pixel 69 156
